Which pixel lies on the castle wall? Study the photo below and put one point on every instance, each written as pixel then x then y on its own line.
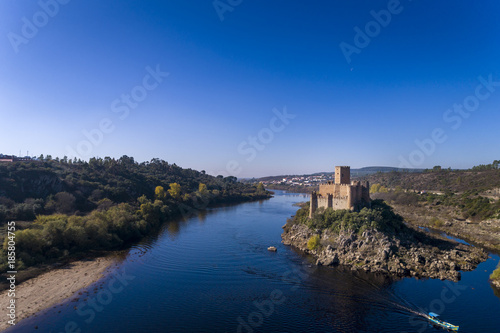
pixel 323 202
pixel 341 203
pixel 313 204
pixel 365 191
pixel 333 202
pixel 337 190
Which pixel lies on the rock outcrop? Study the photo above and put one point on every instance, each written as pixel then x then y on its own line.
pixel 411 254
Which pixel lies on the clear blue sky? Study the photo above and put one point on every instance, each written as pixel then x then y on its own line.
pixel 64 70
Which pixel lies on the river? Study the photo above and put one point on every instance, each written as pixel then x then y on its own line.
pixel 213 273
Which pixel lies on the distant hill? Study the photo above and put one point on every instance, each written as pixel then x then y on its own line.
pixel 365 171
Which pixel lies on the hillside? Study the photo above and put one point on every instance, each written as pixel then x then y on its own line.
pixel 440 180
pixel 31 188
pixel 462 203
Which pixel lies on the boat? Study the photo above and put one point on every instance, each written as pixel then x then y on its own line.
pixel 433 318
pixel 272 249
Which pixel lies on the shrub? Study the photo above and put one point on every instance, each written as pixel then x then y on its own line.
pixel 496 274
pixel 380 216
pixel 313 242
pixel 435 222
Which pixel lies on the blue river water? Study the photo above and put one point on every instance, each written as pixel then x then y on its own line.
pixel 213 273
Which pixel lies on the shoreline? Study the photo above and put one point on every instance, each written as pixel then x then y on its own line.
pixel 53 287
pixel 485 233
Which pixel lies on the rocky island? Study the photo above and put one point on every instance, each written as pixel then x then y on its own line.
pixel 342 225
pixel 377 240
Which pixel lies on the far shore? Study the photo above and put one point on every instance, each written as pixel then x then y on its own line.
pixel 54 286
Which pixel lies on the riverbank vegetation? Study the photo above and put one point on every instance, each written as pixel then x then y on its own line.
pixel 73 206
pixel 495 276
pixel 380 216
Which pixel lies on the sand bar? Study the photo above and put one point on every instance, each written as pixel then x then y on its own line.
pixel 53 287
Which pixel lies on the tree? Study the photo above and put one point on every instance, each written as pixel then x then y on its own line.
pixel 375 188
pixel 65 202
pixel 260 187
pixel 202 188
pixel 383 189
pixel 160 193
pixel 175 190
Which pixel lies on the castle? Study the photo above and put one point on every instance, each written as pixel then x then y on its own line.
pixel 341 194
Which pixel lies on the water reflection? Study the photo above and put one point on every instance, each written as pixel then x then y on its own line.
pixel 202 215
pixel 346 298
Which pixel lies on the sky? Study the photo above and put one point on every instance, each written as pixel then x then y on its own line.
pixel 253 88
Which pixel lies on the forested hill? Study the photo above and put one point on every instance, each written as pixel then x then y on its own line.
pixel 45 187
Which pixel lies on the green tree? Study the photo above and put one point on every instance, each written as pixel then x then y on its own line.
pixel 175 190
pixel 313 242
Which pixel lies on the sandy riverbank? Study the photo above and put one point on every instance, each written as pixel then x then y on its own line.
pixel 53 287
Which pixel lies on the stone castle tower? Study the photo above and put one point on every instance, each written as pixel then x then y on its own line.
pixel 341 194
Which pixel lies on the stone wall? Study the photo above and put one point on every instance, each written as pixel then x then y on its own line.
pixel 341 194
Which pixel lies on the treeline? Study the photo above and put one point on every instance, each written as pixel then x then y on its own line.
pixel 380 217
pixel 77 207
pixel 28 189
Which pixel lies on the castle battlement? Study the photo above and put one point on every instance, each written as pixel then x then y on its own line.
pixel 342 193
